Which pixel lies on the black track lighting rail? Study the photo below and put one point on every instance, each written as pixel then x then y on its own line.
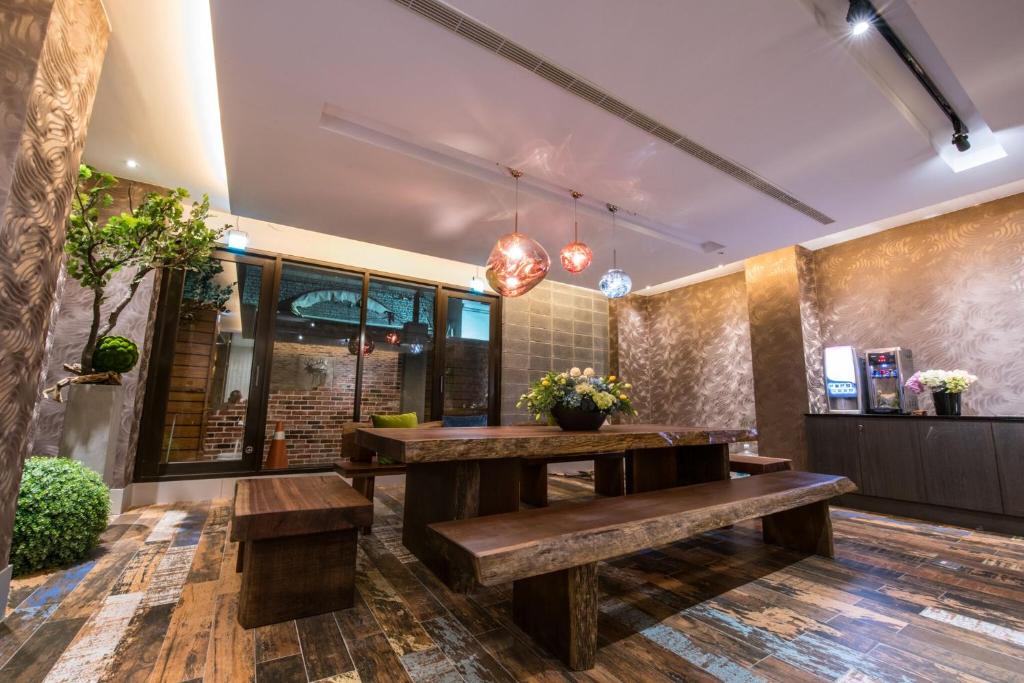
pixel 863 10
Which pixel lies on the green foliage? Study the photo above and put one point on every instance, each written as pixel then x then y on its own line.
pixel 201 290
pixel 157 234
pixel 116 354
pixel 62 510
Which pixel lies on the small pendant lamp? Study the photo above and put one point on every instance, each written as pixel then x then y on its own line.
pixel 615 283
pixel 517 263
pixel 576 255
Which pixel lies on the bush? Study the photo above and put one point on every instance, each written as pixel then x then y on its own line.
pixel 62 510
pixel 115 354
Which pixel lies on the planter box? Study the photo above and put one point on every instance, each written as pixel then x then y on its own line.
pixel 92 425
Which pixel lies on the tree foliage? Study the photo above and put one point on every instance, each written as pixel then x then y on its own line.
pixel 157 234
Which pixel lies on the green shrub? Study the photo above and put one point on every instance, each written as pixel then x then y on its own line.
pixel 115 354
pixel 62 510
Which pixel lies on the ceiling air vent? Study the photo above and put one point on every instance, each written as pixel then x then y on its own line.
pixel 470 29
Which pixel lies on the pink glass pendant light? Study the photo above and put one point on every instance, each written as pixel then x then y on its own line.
pixel 576 255
pixel 517 263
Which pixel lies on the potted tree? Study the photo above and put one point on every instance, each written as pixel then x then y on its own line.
pixel 158 234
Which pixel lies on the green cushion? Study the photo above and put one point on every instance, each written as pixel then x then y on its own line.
pixel 404 420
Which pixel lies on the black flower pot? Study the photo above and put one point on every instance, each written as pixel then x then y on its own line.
pixel 575 420
pixel 946 403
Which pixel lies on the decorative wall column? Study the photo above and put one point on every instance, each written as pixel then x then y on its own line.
pixel 51 53
pixel 785 346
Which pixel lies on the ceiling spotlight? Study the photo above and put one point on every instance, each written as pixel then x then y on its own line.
pixel 131 163
pixel 861 16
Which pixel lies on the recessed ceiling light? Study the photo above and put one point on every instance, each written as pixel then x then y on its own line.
pixel 860 27
pixel 131 163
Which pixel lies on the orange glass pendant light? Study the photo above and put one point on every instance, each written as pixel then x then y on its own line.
pixel 517 263
pixel 576 255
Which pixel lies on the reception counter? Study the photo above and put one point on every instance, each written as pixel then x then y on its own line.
pixel 967 471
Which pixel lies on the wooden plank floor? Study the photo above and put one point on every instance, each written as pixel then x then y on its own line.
pixel 903 601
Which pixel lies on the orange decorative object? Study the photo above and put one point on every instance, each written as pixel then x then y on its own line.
pixel 516 265
pixel 392 338
pixel 278 458
pixel 575 257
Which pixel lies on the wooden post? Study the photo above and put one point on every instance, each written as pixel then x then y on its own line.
pixel 533 483
pixel 806 529
pixel 559 610
pixel 609 477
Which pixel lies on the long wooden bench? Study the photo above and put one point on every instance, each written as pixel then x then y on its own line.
pixel 757 464
pixel 551 554
pixel 297 546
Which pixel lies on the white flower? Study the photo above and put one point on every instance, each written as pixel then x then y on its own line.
pixel 584 389
pixel 589 372
pixel 575 372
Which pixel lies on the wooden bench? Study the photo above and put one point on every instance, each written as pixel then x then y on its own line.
pixel 756 464
pixel 609 479
pixel 551 554
pixel 297 546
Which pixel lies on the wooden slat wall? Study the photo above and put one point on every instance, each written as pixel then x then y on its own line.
pixel 192 369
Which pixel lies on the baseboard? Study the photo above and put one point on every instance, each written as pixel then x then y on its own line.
pixel 5 590
pixel 971 519
pixel 117 500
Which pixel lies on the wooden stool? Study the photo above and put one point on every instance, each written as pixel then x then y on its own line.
pixel 297 551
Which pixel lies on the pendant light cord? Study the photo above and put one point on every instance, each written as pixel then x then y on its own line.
pixel 516 173
pixel 576 224
pixel 612 208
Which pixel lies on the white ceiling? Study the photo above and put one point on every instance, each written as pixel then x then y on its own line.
pixel 761 83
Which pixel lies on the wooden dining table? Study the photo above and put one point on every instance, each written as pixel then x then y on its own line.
pixel 463 472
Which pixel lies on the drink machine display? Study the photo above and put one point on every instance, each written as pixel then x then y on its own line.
pixel 887 370
pixel 844 380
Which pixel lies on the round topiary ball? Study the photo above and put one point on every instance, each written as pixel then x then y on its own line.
pixel 62 510
pixel 115 354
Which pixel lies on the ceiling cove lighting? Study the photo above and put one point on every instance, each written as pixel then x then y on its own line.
pixel 517 263
pixel 615 284
pixel 861 16
pixel 576 255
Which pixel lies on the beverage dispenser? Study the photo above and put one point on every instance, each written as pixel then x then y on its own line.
pixel 887 370
pixel 844 379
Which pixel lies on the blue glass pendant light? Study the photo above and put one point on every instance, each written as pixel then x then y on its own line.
pixel 615 284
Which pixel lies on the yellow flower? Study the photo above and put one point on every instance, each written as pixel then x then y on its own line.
pixel 622 397
pixel 611 378
pixel 628 385
pixel 545 383
pixel 561 380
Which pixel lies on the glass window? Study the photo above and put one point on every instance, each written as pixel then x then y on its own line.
pixel 313 363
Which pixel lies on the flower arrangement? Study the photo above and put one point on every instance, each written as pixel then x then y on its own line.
pixel 578 390
pixel 943 381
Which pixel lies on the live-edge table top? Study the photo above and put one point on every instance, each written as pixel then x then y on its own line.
pixel 425 445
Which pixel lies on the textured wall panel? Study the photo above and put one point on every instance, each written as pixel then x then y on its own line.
pixel 44 165
pixel 688 353
pixel 69 331
pixel 779 306
pixel 950 288
pixel 553 327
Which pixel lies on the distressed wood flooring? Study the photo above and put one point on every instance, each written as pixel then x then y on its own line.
pixel 903 601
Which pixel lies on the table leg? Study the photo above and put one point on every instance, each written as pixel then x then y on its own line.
pixel 609 477
pixel 443 491
pixel 653 469
pixel 533 485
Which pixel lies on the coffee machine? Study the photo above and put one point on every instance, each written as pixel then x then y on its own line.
pixel 844 379
pixel 887 370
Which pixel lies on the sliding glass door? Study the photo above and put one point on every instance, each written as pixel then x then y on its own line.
pixel 253 343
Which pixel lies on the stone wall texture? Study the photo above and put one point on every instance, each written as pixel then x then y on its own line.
pixel 51 54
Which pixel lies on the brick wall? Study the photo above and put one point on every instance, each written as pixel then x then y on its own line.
pixel 465 385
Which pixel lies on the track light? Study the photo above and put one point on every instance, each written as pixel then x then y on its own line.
pixel 861 16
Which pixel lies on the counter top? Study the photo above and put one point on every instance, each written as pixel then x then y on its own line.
pixel 963 418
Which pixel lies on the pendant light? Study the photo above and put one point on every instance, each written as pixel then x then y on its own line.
pixel 615 283
pixel 517 263
pixel 576 255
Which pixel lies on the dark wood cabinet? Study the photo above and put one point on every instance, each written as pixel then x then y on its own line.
pixel 957 470
pixel 890 460
pixel 833 445
pixel 960 465
pixel 1009 443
